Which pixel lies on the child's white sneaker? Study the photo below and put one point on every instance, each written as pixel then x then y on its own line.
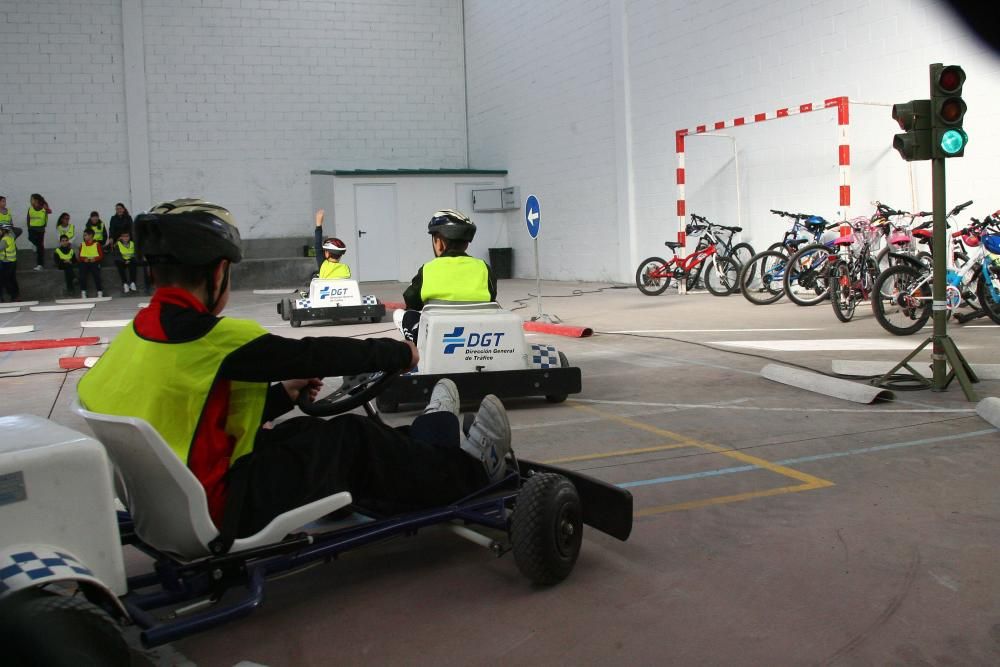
pixel 444 398
pixel 489 437
pixel 100 294
pixel 124 288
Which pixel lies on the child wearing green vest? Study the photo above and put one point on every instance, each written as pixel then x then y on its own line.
pixel 64 227
pixel 328 253
pixel 65 259
pixel 90 255
pixel 8 262
pixel 5 216
pixel 125 260
pixel 96 225
pixel 38 218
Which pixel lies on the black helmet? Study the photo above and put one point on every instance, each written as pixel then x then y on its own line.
pixel 188 231
pixel 452 225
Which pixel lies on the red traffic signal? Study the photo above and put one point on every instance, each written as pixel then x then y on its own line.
pixel 950 79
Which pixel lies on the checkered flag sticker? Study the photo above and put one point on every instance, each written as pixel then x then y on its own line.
pixel 369 300
pixel 544 356
pixel 22 568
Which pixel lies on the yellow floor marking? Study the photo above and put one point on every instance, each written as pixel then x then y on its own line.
pixel 620 452
pixel 809 482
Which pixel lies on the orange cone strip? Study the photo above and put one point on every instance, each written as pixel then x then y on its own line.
pixel 559 329
pixel 16 345
pixel 73 363
pixel 394 305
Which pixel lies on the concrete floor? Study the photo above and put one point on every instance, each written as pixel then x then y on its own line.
pixel 773 526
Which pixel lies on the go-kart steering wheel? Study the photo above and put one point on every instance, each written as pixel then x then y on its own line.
pixel 354 391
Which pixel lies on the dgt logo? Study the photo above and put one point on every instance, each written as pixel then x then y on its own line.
pixel 457 339
pixel 326 292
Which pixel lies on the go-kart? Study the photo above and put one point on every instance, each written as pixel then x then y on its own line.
pixel 482 348
pixel 61 534
pixel 331 300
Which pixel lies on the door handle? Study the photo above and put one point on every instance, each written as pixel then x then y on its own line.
pixel 361 233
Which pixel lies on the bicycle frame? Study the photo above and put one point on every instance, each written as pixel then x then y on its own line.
pixel 678 266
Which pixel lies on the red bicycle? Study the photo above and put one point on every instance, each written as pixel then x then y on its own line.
pixel 721 273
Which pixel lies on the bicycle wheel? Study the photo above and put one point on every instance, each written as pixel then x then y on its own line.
pixel 777 247
pixel 842 294
pixel 652 276
pixel 722 276
pixel 760 279
pixel 901 299
pixel 741 254
pixel 805 281
pixel 987 299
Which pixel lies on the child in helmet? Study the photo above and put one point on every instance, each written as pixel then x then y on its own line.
pixel 207 384
pixel 452 276
pixel 328 253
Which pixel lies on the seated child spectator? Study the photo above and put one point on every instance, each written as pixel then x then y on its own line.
pixel 96 225
pixel 65 259
pixel 328 253
pixel 119 223
pixel 65 228
pixel 125 260
pixel 90 256
pixel 8 262
pixel 5 216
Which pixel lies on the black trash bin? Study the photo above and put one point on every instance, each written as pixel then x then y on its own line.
pixel 502 262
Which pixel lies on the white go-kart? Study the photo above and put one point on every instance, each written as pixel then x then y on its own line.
pixel 331 300
pixel 482 348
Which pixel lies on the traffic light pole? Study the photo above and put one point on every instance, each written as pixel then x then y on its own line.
pixel 944 352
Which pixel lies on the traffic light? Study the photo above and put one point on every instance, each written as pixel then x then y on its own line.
pixel 947 111
pixel 915 118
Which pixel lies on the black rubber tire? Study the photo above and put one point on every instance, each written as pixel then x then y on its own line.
pixel 723 277
pixel 546 528
pixel 559 398
pixel 39 628
pixel 989 305
pixel 741 253
pixel 760 267
pixel 842 298
pixel 816 277
pixel 295 323
pixel 285 308
pixel 651 286
pixel 908 275
pixel 387 407
pixel 777 247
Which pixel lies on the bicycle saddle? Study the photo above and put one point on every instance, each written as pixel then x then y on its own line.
pixel 673 245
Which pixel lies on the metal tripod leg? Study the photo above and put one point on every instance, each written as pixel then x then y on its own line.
pixel 905 364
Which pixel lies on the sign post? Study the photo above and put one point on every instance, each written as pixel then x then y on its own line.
pixel 533 221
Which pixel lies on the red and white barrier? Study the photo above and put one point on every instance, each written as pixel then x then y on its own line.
pixel 559 329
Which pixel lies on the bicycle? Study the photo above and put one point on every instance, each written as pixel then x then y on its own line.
pixel 854 268
pixel 770 265
pixel 904 291
pixel 739 253
pixel 655 273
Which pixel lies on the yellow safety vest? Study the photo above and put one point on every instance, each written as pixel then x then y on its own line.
pixel 89 251
pixel 98 231
pixel 6 218
pixel 127 252
pixel 37 218
pixel 65 255
pixel 455 279
pixel 69 231
pixel 168 384
pixel 334 270
pixel 8 253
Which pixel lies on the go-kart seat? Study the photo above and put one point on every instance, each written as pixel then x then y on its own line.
pixel 167 502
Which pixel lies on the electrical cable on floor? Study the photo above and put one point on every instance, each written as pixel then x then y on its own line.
pixel 522 303
pixel 19 374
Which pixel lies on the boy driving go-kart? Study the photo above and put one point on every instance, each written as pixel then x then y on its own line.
pixel 207 384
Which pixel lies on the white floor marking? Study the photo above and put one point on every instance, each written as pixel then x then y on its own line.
pixel 279 290
pixel 715 406
pixel 67 306
pixel 8 311
pixel 980 326
pixel 846 367
pixel 18 304
pixel 641 331
pixel 87 324
pixel 813 345
pixel 6 331
pixel 92 299
pixel 629 413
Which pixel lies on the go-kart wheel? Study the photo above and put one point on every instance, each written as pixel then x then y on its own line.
pixel 285 309
pixel 295 323
pixel 547 528
pixel 559 398
pixel 354 391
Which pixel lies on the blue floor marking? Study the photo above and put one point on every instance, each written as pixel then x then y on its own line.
pixel 803 459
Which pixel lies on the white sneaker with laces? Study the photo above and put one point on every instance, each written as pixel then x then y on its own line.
pixel 38 267
pixel 83 295
pixel 444 398
pixel 100 294
pixel 132 287
pixel 488 439
pixel 124 288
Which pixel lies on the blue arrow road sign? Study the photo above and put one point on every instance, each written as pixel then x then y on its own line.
pixel 532 215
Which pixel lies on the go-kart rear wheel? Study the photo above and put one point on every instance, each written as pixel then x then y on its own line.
pixel 285 309
pixel 295 323
pixel 559 398
pixel 547 528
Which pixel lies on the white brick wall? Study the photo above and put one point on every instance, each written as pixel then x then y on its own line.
pixel 540 106
pixel 61 106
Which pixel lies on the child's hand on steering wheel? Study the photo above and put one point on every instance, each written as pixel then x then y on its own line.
pixel 295 387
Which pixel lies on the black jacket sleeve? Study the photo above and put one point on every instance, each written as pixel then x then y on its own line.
pixel 318 244
pixel 271 358
pixel 277 403
pixel 491 280
pixel 412 294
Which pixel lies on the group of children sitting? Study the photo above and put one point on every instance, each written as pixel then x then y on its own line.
pixel 85 261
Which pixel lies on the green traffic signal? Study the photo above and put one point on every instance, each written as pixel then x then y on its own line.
pixel 953 141
pixel 947 111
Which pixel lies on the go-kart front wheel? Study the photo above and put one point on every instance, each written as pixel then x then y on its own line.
pixel 547 528
pixel 559 398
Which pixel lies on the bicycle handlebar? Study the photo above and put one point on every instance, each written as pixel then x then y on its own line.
pixel 961 207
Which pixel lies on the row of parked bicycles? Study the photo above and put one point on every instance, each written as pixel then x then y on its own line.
pixel 884 259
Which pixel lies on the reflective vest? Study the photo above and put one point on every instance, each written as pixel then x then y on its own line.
pixel 69 231
pixel 181 375
pixel 6 218
pixel 8 249
pixel 98 231
pixel 127 252
pixel 90 251
pixel 331 270
pixel 65 255
pixel 455 279
pixel 37 218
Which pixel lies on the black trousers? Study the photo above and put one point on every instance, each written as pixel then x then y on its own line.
pixel 69 274
pixel 37 237
pixel 122 266
pixel 8 280
pixel 92 269
pixel 307 458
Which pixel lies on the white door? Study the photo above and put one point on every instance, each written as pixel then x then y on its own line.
pixel 375 220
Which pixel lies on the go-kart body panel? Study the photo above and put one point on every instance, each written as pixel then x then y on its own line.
pixel 332 300
pixel 472 387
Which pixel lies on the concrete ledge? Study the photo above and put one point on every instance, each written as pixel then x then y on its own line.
pixel 822 384
pixel 989 409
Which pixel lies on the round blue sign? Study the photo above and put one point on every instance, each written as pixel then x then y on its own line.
pixel 532 215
